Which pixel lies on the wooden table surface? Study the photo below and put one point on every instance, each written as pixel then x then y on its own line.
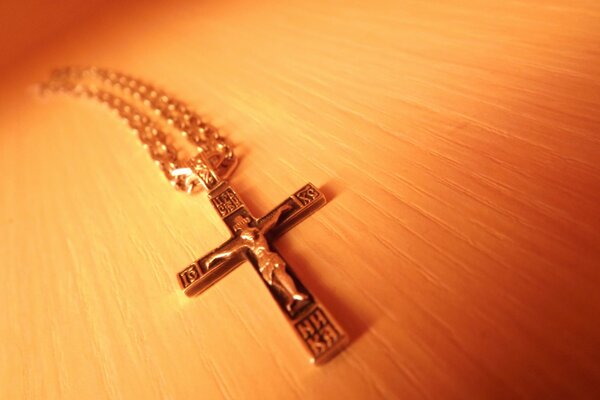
pixel 457 142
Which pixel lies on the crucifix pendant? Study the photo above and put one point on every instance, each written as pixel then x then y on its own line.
pixel 252 240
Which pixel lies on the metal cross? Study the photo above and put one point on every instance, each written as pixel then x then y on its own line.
pixel 252 240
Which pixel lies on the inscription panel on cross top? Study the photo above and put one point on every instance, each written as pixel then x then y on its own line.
pixel 226 202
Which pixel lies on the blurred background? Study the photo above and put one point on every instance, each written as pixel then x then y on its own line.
pixel 458 144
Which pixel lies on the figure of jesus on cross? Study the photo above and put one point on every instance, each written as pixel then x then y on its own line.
pixel 270 264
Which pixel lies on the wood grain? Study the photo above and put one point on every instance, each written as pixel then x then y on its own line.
pixel 458 145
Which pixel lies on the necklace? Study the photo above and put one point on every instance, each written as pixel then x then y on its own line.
pixel 151 113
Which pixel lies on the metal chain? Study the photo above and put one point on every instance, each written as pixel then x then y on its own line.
pixel 132 99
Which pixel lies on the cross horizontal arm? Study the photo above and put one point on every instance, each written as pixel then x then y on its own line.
pixel 196 278
pixel 301 204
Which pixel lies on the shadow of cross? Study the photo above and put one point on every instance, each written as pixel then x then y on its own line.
pixel 251 240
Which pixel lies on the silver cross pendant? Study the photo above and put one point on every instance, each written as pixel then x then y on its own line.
pixel 251 239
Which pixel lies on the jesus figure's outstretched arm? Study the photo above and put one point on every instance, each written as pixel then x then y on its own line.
pixel 272 219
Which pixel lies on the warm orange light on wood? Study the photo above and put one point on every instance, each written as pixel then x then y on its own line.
pixel 456 141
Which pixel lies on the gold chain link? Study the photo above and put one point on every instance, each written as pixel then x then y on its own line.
pixel 133 99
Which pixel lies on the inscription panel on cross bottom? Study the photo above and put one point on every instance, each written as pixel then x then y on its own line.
pixel 318 332
pixel 226 202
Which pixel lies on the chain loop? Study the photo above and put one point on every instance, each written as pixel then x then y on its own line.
pixel 134 100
